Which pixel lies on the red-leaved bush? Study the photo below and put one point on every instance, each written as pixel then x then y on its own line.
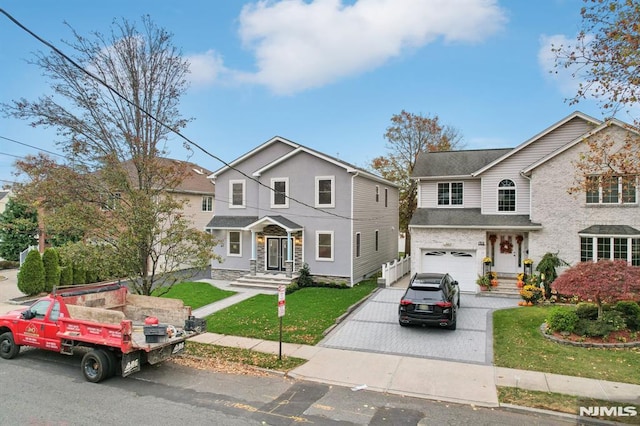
pixel 601 282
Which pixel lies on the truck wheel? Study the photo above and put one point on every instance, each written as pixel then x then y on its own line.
pixel 95 366
pixel 8 348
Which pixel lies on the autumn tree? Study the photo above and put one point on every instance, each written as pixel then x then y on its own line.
pixel 114 113
pixel 602 282
pixel 605 59
pixel 18 229
pixel 408 136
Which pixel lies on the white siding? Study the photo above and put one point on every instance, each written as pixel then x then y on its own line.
pixel 470 192
pixel 511 167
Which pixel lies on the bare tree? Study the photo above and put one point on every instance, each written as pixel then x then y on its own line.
pixel 408 136
pixel 115 187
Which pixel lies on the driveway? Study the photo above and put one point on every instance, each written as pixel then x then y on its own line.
pixel 374 327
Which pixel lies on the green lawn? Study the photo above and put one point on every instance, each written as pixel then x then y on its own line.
pixel 197 294
pixel 309 312
pixel 518 343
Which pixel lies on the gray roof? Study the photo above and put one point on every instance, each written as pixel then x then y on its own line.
pixel 469 218
pixel 286 222
pixel 228 222
pixel 455 163
pixel 610 230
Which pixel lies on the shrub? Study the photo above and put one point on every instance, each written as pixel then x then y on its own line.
pixel 79 275
pixel 631 313
pixel 562 320
pixel 66 275
pixel 587 311
pixel 615 319
pixel 9 264
pixel 305 280
pixel 603 282
pixel 51 269
pixel 598 328
pixel 31 274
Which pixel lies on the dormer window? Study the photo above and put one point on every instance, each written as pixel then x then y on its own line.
pixel 506 196
pixel 450 194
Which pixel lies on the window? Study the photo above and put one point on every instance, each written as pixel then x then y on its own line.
pixel 386 197
pixel 358 238
pixel 234 244
pixel 325 191
pixel 450 193
pixel 110 201
pixel 611 190
pixel 236 194
pixel 506 196
pixel 280 192
pixel 377 239
pixel 377 194
pixel 324 245
pixel 207 203
pixel 610 248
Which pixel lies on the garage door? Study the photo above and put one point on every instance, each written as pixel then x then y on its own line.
pixel 461 265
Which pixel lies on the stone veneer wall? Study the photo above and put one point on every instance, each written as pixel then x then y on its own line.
pixel 228 274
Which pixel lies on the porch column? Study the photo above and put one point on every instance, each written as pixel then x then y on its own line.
pixel 289 263
pixel 252 261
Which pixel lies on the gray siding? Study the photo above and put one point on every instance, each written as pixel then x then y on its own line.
pixel 370 215
pixel 510 168
pixel 301 170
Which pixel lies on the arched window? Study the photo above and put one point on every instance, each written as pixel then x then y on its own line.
pixel 506 196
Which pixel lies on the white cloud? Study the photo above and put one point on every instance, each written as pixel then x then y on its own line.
pixel 304 44
pixel 566 79
pixel 205 68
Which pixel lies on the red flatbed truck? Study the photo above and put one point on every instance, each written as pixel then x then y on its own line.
pixel 122 331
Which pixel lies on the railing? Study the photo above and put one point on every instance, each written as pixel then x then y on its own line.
pixel 23 253
pixel 393 271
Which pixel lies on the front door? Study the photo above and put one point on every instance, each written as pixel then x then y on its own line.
pixel 276 253
pixel 506 254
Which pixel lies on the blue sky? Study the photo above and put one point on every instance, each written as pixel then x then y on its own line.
pixel 328 74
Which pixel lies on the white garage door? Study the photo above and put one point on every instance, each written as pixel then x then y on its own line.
pixel 460 264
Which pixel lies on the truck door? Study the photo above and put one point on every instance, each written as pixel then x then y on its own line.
pixel 40 330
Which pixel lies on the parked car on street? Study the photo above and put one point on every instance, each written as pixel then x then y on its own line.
pixel 430 299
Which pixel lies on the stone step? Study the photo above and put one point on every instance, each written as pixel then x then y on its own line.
pixel 262 281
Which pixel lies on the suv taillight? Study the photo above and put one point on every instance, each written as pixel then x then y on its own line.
pixel 444 304
pixel 405 302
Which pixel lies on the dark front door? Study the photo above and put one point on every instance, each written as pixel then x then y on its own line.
pixel 276 253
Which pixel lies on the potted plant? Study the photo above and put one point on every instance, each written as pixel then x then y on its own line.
pixel 484 282
pixel 493 279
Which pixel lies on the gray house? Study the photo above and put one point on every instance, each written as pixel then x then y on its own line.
pixel 283 204
pixel 514 204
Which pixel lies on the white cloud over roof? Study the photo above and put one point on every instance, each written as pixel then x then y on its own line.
pixel 300 45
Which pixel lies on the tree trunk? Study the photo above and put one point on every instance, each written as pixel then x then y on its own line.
pixel 407 243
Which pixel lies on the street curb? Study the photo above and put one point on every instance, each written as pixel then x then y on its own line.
pixel 348 312
pixel 551 413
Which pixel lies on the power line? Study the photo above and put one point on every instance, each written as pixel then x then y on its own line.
pixel 31 146
pixel 152 117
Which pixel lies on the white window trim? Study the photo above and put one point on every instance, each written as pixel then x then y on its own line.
pixel 358 244
pixel 620 189
pixel 244 194
pixel 333 191
pixel 207 197
pixel 515 199
pixel 229 244
pixel 594 246
pixel 450 205
pixel 324 259
pixel 286 193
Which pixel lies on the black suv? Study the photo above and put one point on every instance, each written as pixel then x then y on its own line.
pixel 430 299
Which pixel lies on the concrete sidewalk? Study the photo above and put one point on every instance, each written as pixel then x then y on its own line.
pixel 464 383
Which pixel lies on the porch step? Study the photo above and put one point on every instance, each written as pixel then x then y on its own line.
pixel 507 287
pixel 263 281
